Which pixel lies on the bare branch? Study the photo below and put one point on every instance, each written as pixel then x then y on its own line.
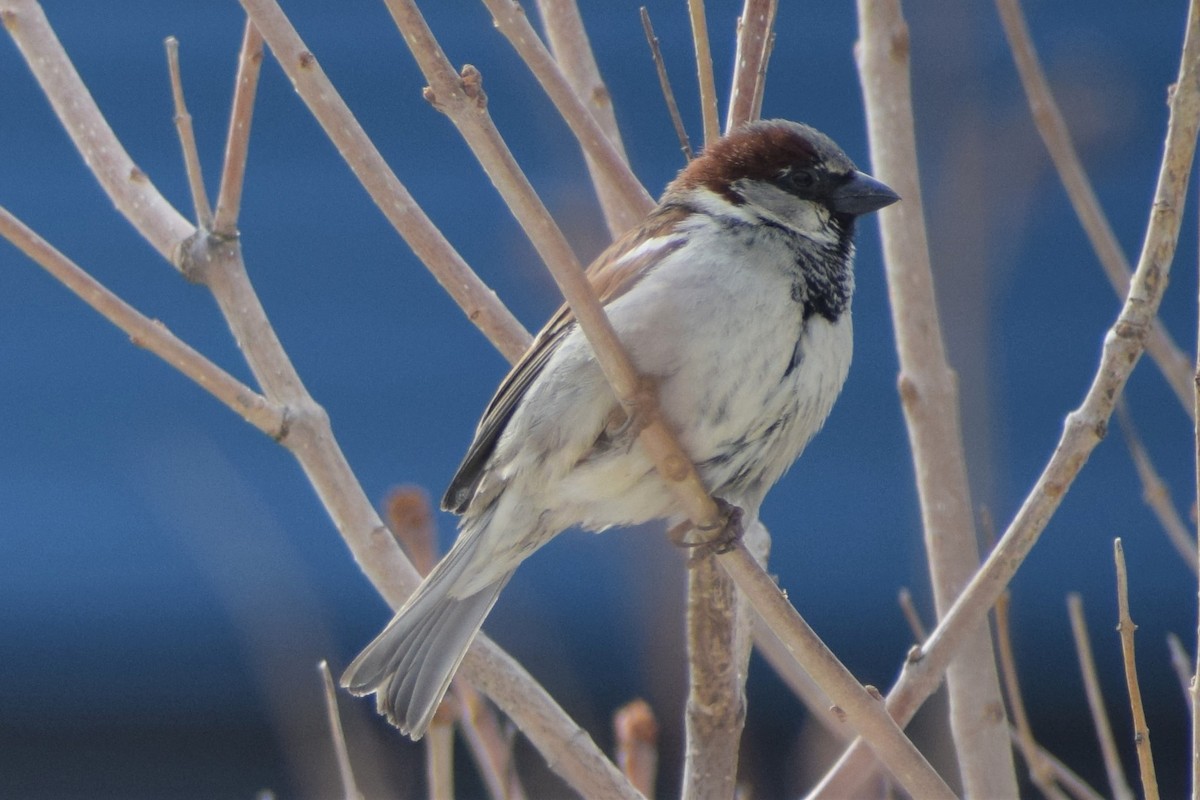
pixel 1170 359
pixel 479 302
pixel 911 615
pixel 755 31
pixel 664 83
pixel 126 185
pixel 337 735
pixel 704 71
pixel 1181 663
pixel 573 51
pixel 511 21
pixel 237 142
pixel 1125 627
pixel 929 397
pixel 1084 427
pixel 1095 696
pixel 266 415
pixel 187 138
pixel 1155 492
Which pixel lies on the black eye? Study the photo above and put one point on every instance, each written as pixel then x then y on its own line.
pixel 800 181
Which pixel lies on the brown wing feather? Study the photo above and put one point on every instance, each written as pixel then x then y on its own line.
pixel 611 275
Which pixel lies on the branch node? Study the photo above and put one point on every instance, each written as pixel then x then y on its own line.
pixel 471 81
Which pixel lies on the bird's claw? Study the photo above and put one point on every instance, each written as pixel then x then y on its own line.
pixel 718 538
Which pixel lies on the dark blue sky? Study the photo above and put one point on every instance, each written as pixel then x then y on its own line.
pixel 167 577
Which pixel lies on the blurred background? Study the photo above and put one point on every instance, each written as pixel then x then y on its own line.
pixel 168 580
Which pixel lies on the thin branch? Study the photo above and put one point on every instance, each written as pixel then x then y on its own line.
pixel 126 185
pixel 187 138
pixel 266 415
pixel 237 142
pixel 704 72
pixel 1125 627
pixel 1155 491
pixel 1117 783
pixel 930 400
pixel 664 83
pixel 636 732
pixel 911 615
pixel 1181 663
pixel 511 22
pixel 1040 772
pixel 337 735
pixel 1084 427
pixel 760 86
pixel 573 51
pixel 1052 127
pixel 755 31
pixel 478 301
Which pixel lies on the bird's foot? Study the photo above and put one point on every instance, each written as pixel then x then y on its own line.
pixel 715 539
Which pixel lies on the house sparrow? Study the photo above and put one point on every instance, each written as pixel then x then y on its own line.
pixel 733 297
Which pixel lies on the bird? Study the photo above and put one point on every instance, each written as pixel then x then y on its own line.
pixel 733 297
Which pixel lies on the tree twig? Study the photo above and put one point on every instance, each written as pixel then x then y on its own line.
pixel 1170 359
pixel 755 30
pixel 1083 430
pixel 704 72
pixel 572 50
pixel 664 83
pixel 187 138
pixel 475 298
pixel 1181 663
pixel 237 141
pixel 911 615
pixel 1125 627
pixel 337 735
pixel 1117 783
pixel 929 397
pixel 1154 490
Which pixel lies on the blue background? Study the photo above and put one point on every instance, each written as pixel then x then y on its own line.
pixel 167 578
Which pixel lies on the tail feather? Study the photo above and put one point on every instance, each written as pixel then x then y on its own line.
pixel 410 664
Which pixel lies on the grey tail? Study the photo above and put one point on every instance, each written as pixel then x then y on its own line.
pixel 410 664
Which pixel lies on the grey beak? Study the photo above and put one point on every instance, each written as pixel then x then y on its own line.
pixel 861 194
